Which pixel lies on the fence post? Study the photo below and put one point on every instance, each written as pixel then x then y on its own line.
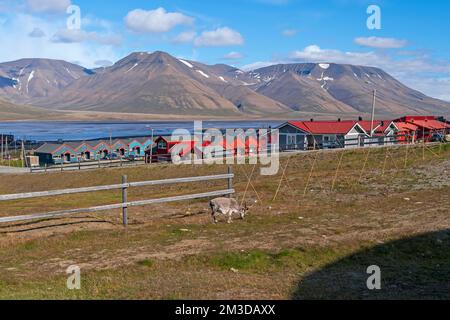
pixel 124 201
pixel 230 180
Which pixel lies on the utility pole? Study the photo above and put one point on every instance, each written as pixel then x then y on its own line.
pixel 23 155
pixel 373 111
pixel 151 147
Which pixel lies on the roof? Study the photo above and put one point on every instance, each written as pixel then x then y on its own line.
pixel 431 124
pixel 384 125
pixel 50 148
pixel 414 118
pixel 367 125
pixel 405 126
pixel 326 127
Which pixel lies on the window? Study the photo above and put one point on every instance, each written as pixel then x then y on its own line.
pixel 162 145
pixel 291 140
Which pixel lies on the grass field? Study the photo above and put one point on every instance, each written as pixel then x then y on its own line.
pixel 335 214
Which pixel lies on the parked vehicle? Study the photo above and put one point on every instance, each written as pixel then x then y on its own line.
pixel 112 156
pixel 131 157
pixel 438 137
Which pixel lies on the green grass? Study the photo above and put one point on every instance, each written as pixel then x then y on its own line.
pixel 264 256
pixel 146 263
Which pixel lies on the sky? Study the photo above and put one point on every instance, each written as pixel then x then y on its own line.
pixel 408 39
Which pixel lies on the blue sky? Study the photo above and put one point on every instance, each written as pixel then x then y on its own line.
pixel 412 43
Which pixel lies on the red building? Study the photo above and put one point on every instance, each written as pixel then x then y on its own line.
pixel 427 126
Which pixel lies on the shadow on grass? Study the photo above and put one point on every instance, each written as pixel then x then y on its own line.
pixel 49 224
pixel 411 268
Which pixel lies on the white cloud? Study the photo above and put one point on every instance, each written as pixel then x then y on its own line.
pixel 156 21
pixel 289 33
pixel 48 5
pixel 16 43
pixel 73 36
pixel 185 37
pixel 233 55
pixel 37 33
pixel 314 53
pixel 220 37
pixel 381 43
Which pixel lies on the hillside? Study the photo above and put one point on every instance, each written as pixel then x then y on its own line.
pixel 160 84
pixel 10 111
pixel 333 87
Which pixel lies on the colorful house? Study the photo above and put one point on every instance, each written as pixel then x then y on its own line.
pixel 161 150
pixel 101 149
pixel 93 150
pixel 311 135
pixel 51 153
pixel 383 132
pixel 427 126
pixel 84 151
pixel 407 132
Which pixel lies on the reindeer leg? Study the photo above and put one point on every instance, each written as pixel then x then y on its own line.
pixel 213 215
pixel 229 217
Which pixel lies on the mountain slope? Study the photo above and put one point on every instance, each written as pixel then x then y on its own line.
pixel 159 83
pixel 11 111
pixel 332 87
pixel 24 80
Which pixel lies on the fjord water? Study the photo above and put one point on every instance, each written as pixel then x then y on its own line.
pixel 69 131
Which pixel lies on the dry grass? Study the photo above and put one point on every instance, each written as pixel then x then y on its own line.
pixel 320 218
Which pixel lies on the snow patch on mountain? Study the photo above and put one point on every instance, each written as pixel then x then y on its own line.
pixel 135 65
pixel 70 73
pixel 202 73
pixel 186 63
pixel 30 77
pixel 324 65
pixel 223 79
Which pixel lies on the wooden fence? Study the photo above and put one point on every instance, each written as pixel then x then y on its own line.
pixel 125 204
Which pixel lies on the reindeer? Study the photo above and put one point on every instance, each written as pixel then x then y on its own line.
pixel 227 207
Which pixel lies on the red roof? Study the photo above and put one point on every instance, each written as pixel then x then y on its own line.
pixel 431 124
pixel 325 127
pixel 405 126
pixel 367 125
pixel 414 118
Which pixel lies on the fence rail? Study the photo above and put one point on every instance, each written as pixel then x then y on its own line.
pixel 125 204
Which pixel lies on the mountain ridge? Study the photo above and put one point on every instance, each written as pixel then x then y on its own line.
pixel 158 83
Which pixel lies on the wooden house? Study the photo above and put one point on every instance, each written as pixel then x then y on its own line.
pixel 310 135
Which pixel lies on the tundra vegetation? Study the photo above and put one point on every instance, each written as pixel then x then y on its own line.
pixel 313 235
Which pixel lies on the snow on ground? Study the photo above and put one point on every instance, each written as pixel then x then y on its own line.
pixel 30 77
pixel 324 79
pixel 17 81
pixel 324 65
pixel 202 73
pixel 223 79
pixel 70 73
pixel 186 63
pixel 135 65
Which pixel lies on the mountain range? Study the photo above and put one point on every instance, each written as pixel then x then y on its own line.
pixel 158 83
